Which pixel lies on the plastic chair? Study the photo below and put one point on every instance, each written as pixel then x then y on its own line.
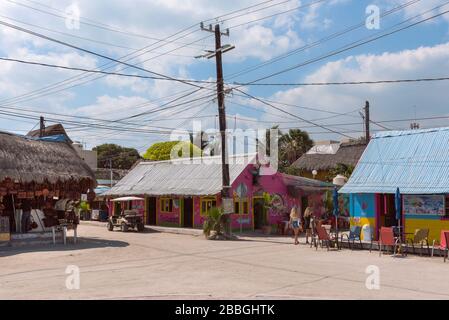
pixel 446 249
pixel 324 238
pixel 387 238
pixel 421 237
pixel 354 235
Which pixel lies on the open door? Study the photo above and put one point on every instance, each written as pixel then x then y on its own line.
pixel 188 213
pixel 151 205
pixel 387 211
pixel 259 213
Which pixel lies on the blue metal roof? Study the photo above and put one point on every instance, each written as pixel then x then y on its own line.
pixel 416 162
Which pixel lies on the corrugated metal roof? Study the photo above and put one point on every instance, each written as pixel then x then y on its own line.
pixel 416 161
pixel 179 177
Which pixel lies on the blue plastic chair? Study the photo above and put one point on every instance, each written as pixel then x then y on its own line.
pixel 353 236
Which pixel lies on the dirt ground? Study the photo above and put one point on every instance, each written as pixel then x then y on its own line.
pixel 156 265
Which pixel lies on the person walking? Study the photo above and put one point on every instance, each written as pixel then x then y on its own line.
pixel 308 213
pixel 295 222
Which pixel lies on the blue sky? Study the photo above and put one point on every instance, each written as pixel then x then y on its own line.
pixel 422 51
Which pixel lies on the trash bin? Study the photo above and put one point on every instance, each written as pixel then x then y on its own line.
pixel 103 216
pixel 367 232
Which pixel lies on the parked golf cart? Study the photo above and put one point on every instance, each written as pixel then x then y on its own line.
pixel 125 217
pixel 129 219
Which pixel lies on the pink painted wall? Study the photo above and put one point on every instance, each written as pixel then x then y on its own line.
pixel 272 184
pixel 170 218
pixel 198 219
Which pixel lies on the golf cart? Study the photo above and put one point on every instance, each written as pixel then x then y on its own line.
pixel 128 219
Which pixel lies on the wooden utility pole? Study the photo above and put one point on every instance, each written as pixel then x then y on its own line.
pixel 367 121
pixel 218 53
pixel 222 113
pixel 41 127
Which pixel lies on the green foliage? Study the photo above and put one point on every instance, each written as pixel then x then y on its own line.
pixel 342 169
pixel 84 206
pixel 329 201
pixel 162 150
pixel 292 146
pixel 214 222
pixel 292 171
pixel 268 200
pixel 122 158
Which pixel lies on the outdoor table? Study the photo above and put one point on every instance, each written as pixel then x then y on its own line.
pixel 64 229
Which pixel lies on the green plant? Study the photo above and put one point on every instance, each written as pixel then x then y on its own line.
pixel 84 206
pixel 268 205
pixel 342 169
pixel 214 222
pixel 121 157
pixel 163 150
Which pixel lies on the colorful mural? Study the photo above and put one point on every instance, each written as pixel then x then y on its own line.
pixel 424 204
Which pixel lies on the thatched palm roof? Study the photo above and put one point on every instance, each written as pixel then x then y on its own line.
pixel 348 154
pixel 53 130
pixel 29 160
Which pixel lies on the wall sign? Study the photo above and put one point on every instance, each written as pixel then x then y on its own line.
pixel 424 204
pixel 228 205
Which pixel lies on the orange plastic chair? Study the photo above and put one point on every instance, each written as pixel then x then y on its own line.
pixel 387 238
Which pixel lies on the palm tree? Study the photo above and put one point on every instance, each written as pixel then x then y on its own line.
pixel 214 223
pixel 292 146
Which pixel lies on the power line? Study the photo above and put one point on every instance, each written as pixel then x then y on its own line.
pixel 279 13
pixel 91 24
pixel 92 52
pixel 429 79
pixel 293 115
pixel 186 29
pixel 99 71
pixel 104 67
pixel 357 43
pixel 318 42
pixel 323 110
pixel 85 38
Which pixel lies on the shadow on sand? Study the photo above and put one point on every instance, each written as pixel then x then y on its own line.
pixel 82 244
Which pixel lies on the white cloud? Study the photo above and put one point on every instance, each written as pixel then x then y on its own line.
pixel 389 101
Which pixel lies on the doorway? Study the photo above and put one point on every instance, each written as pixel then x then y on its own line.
pixel 117 210
pixel 387 211
pixel 304 205
pixel 259 213
pixel 151 207
pixel 188 213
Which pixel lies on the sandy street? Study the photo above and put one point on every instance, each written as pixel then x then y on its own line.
pixel 154 265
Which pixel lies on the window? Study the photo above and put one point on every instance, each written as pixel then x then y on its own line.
pixel 167 205
pixel 207 204
pixel 241 206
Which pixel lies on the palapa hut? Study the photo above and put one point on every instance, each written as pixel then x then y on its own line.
pixel 323 159
pixel 49 131
pixel 38 172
